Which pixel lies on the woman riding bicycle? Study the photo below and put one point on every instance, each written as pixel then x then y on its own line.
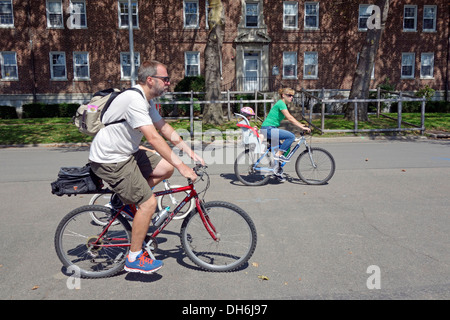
pixel 278 113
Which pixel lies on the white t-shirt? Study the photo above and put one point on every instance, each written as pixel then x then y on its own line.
pixel 117 142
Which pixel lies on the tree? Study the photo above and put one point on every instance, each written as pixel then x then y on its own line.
pixel 361 80
pixel 212 112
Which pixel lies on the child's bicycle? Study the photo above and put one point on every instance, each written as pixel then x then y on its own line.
pixel 216 236
pixel 168 200
pixel 313 165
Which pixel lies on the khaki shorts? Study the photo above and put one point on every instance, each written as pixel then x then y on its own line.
pixel 129 178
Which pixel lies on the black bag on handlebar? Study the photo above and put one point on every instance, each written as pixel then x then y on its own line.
pixel 76 180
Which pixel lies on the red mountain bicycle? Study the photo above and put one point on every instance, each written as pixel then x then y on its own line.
pixel 216 235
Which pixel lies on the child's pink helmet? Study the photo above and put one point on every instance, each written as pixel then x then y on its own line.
pixel 247 111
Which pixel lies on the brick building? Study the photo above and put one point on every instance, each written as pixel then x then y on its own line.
pixel 63 50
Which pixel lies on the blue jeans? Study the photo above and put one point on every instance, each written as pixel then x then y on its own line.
pixel 275 135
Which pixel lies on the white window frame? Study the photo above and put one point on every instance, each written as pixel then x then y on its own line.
pixel 60 64
pixel 187 65
pixel 314 75
pixel 78 18
pixel 76 65
pixel 363 15
pixel 434 18
pixel 123 63
pixel 306 15
pixel 56 14
pixel 6 15
pixel 196 14
pixel 256 15
pixel 135 15
pixel 8 65
pixel 288 55
pixel 404 56
pixel 290 15
pixel 405 7
pixel 431 65
pixel 207 13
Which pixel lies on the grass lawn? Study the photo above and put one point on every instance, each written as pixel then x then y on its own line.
pixel 61 130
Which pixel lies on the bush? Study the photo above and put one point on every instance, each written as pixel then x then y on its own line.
pixel 8 112
pixel 42 110
pixel 196 84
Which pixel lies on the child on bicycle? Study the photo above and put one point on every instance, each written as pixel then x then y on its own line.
pixel 250 134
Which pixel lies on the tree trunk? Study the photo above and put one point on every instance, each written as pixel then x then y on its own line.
pixel 361 80
pixel 212 112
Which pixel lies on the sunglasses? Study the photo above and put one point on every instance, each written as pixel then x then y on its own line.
pixel 289 95
pixel 165 79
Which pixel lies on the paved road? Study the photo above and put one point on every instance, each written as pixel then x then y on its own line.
pixel 379 230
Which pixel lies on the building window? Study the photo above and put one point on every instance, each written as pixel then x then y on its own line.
pixel 6 14
pixel 408 65
pixel 251 15
pixel 364 15
pixel 125 65
pixel 311 15
pixel 8 62
pixel 77 15
pixel 410 18
pixel 290 65
pixel 58 66
pixel 290 15
pixel 123 14
pixel 54 14
pixel 191 14
pixel 429 18
pixel 192 64
pixel 426 65
pixel 310 65
pixel 81 65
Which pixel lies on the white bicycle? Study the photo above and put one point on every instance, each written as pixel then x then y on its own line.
pixel 170 200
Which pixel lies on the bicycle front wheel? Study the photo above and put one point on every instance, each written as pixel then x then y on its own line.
pixel 253 169
pixel 316 166
pixel 80 249
pixel 235 232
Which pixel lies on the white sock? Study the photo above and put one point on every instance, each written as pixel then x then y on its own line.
pixel 132 255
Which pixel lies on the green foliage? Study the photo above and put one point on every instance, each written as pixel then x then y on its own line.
pixel 196 84
pixel 42 110
pixel 8 112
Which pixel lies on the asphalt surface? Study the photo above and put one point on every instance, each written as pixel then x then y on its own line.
pixel 378 230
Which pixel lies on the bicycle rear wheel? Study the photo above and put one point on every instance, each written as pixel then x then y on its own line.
pixel 317 168
pixel 251 172
pixel 234 229
pixel 100 199
pixel 76 234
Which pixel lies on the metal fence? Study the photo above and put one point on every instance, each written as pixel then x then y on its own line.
pixel 399 99
pixel 307 100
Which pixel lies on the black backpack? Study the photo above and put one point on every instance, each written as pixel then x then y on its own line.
pixel 76 180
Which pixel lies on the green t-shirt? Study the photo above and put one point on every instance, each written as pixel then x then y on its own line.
pixel 275 115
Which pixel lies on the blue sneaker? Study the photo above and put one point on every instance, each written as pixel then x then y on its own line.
pixel 281 158
pixel 143 264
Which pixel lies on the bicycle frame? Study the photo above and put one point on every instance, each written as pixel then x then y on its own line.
pixel 293 150
pixel 192 194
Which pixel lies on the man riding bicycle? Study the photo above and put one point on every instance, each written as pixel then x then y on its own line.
pixel 131 171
